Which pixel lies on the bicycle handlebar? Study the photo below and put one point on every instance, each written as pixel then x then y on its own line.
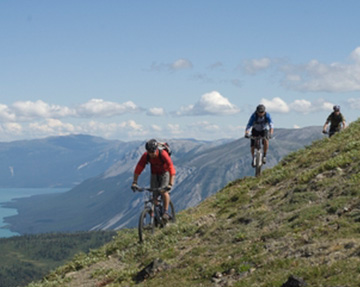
pixel 140 189
pixel 258 137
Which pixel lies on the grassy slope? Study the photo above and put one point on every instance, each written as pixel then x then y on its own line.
pixel 302 218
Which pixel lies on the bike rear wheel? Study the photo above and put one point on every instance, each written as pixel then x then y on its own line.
pixel 146 224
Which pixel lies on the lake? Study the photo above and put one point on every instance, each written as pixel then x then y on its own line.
pixel 8 194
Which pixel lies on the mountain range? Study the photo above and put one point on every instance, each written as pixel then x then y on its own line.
pixel 63 161
pixel 106 201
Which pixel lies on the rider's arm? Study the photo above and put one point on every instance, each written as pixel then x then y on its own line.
pixel 172 180
pixel 171 166
pixel 343 121
pixel 271 123
pixel 135 180
pixel 250 123
pixel 326 123
pixel 167 159
pixel 140 166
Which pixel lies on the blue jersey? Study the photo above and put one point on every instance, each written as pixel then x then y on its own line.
pixel 260 123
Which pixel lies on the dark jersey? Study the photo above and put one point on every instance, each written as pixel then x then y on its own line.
pixel 335 120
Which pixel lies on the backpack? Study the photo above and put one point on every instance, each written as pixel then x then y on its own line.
pixel 162 146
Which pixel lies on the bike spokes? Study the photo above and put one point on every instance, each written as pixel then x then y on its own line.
pixel 146 224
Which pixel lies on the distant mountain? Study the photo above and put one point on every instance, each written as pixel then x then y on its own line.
pixel 106 201
pixel 57 161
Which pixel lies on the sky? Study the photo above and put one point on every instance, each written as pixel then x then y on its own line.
pixel 135 70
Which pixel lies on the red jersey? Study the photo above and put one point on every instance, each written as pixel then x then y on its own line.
pixel 158 165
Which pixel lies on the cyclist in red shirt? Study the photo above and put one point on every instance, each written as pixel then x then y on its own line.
pixel 162 172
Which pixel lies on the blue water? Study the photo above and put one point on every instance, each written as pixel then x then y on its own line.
pixel 8 194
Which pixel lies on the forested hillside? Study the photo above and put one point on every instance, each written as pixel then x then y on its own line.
pixel 298 224
pixel 30 257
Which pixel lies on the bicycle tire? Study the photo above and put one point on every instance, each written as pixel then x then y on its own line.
pixel 258 163
pixel 172 212
pixel 146 224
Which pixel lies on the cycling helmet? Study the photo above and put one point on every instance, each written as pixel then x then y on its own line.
pixel 336 108
pixel 151 145
pixel 260 109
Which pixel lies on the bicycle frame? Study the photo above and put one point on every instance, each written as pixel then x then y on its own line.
pixel 150 203
pixel 258 153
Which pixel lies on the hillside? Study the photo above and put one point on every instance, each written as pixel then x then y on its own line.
pixel 300 218
pixel 106 201
pixel 28 258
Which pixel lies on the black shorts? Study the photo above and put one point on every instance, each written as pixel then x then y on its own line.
pixel 255 133
pixel 333 130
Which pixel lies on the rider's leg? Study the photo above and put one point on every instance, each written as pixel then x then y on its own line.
pixel 166 201
pixel 165 179
pixel 266 146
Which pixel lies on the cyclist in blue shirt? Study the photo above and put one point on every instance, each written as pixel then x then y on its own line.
pixel 260 124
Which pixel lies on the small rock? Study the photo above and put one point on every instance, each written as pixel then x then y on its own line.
pixel 294 282
pixel 218 275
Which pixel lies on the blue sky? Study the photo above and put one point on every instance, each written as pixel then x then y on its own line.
pixel 174 69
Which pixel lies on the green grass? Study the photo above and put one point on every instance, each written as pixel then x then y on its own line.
pixel 299 218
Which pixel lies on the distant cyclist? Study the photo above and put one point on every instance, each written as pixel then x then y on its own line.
pixel 336 120
pixel 162 172
pixel 260 124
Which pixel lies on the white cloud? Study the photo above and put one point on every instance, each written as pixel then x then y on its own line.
pixel 181 64
pixel 11 128
pixel 156 128
pixel 174 129
pixel 301 106
pixel 51 127
pixel 256 65
pixel 212 103
pixel 319 77
pixel 6 114
pixel 305 107
pixel 131 125
pixel 276 105
pixel 30 110
pixel 355 55
pixel 112 130
pixel 101 108
pixel 156 112
pixel 204 126
pixel 354 103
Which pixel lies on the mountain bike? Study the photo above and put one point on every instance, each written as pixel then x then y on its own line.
pixel 258 155
pixel 151 216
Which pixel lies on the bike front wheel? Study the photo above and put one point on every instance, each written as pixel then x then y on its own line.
pixel 258 161
pixel 172 212
pixel 146 224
